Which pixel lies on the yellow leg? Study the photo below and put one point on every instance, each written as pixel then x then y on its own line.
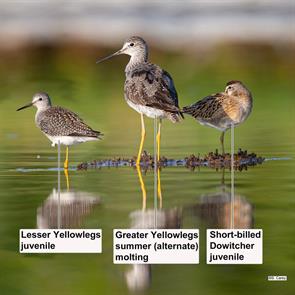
pixel 143 190
pixel 66 172
pixel 159 140
pixel 141 141
pixel 159 188
pixel 66 163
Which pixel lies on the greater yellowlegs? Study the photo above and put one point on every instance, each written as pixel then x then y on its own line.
pixel 60 125
pixel 148 89
pixel 221 110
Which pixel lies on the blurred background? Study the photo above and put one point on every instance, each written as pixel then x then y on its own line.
pixel 52 46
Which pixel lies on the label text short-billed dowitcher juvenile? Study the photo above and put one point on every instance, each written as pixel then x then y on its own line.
pixel 59 124
pixel 221 110
pixel 148 89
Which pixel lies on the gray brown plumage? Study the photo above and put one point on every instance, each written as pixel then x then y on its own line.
pixel 221 110
pixel 58 121
pixel 148 89
pixel 148 86
pixel 60 125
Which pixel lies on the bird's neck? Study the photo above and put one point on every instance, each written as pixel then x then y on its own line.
pixel 135 60
pixel 40 112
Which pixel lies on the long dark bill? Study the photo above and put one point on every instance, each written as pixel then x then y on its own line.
pixel 110 56
pixel 25 106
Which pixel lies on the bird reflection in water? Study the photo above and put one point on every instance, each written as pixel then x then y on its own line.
pixel 220 210
pixel 138 276
pixel 66 209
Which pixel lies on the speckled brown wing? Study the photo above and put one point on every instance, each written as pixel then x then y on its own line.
pixel 57 121
pixel 148 85
pixel 219 110
pixel 206 108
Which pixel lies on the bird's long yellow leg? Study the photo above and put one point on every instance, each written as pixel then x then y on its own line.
pixel 222 141
pixel 143 190
pixel 159 140
pixel 66 172
pixel 159 188
pixel 141 141
pixel 66 163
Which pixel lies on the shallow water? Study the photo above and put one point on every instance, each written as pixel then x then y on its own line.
pixel 110 198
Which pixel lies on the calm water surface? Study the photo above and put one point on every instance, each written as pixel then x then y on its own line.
pixel 110 198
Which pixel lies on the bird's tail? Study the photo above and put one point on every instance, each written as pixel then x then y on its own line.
pixel 175 117
pixel 191 110
pixel 98 134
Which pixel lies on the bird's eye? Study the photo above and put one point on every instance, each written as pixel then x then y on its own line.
pixel 131 44
pixel 229 88
pixel 40 98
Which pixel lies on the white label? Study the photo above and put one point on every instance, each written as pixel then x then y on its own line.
pixel 234 246
pixel 60 241
pixel 277 278
pixel 156 246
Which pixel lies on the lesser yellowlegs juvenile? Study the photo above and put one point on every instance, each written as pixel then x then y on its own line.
pixel 221 110
pixel 60 125
pixel 148 89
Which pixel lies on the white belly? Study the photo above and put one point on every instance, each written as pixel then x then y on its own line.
pixel 69 140
pixel 148 111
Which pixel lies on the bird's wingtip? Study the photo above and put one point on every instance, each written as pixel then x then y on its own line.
pixel 99 135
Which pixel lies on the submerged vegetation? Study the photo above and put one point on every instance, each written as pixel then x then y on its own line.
pixel 68 72
pixel 215 160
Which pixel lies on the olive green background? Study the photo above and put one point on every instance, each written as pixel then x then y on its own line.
pixel 67 71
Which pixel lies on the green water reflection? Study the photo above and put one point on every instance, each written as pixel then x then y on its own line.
pixel 266 191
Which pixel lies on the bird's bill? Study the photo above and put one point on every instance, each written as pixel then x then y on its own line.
pixel 25 106
pixel 110 56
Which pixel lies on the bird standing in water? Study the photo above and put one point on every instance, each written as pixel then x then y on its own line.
pixel 221 110
pixel 148 89
pixel 60 125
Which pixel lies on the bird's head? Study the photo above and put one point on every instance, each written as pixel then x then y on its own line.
pixel 40 100
pixel 133 46
pixel 236 88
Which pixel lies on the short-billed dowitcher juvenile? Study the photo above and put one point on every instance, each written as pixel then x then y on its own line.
pixel 221 110
pixel 60 125
pixel 148 89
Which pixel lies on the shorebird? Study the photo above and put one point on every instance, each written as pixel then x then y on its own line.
pixel 221 110
pixel 148 89
pixel 59 124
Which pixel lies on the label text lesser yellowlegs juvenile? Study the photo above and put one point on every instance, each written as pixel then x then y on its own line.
pixel 148 89
pixel 221 110
pixel 60 125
